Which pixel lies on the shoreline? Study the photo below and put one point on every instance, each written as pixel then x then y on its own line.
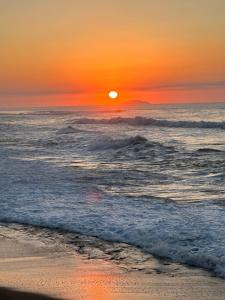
pixel 128 257
pixel 39 263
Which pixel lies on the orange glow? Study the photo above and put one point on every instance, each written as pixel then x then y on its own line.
pixel 74 54
pixel 99 284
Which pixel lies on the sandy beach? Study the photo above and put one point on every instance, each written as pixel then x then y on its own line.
pixel 56 270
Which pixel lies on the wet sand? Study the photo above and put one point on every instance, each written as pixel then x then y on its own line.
pixel 54 269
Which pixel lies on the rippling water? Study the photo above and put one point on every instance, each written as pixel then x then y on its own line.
pixel 153 178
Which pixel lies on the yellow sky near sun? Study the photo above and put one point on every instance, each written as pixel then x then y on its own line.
pixel 82 49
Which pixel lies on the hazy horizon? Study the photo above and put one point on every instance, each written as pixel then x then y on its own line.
pixel 109 105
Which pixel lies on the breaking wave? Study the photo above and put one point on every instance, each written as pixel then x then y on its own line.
pixel 106 143
pixel 187 234
pixel 143 121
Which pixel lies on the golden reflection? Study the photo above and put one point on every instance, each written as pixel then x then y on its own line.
pixel 97 285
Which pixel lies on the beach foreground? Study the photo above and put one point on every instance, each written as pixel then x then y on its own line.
pixel 8 294
pixel 56 270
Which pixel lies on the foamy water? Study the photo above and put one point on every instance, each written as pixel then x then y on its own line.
pixel 151 178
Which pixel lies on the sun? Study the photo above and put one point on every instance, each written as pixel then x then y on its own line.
pixel 113 94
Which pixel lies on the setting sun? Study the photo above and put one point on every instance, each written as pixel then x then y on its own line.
pixel 113 94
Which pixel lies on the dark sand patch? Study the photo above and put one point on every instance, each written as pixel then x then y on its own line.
pixel 7 294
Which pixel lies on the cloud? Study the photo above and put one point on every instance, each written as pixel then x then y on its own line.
pixel 38 92
pixel 183 86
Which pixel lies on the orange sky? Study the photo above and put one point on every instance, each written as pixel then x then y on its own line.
pixel 65 52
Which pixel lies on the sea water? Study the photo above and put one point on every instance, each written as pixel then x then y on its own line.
pixel 153 178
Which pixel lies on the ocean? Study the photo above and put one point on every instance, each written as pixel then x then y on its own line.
pixel 152 178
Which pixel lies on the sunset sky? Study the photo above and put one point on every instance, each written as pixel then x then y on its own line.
pixel 72 52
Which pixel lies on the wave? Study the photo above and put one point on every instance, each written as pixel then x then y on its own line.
pixel 209 150
pixel 109 143
pixel 133 142
pixel 76 111
pixel 184 234
pixel 143 121
pixel 49 113
pixel 69 130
